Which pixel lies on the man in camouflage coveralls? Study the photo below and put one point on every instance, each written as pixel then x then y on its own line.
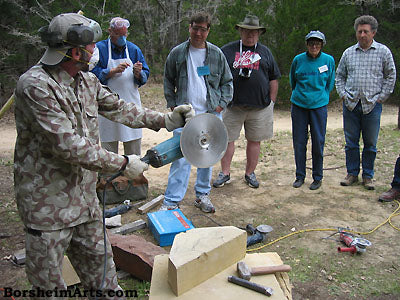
pixel 57 157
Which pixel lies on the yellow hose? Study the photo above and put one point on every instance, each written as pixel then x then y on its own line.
pixel 388 220
pixel 7 106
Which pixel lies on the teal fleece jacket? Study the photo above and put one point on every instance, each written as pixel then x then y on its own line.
pixel 312 79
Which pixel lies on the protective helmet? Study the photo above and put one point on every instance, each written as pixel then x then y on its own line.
pixel 316 34
pixel 67 31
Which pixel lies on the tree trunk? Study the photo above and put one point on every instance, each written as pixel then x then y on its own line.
pixel 398 119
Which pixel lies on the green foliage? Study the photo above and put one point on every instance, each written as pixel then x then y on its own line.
pixel 157 26
pixel 284 92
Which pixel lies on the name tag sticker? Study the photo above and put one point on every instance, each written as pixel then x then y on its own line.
pixel 202 71
pixel 323 68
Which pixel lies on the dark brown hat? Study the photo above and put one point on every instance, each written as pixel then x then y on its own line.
pixel 251 22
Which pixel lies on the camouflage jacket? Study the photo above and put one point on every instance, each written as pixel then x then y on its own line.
pixel 57 152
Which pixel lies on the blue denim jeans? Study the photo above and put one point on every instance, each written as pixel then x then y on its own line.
pixel 396 177
pixel 178 179
pixel 355 123
pixel 301 119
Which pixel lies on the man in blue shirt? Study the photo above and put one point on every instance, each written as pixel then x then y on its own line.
pixel 123 69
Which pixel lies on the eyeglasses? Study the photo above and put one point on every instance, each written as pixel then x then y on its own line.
pixel 199 28
pixel 314 43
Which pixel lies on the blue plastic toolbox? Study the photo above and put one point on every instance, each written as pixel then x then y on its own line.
pixel 165 224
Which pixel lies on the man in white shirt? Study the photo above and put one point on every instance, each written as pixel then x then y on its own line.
pixel 196 72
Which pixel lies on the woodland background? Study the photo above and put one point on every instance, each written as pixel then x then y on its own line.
pixel 159 25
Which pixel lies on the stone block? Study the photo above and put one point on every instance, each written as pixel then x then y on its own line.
pixel 134 254
pixel 200 253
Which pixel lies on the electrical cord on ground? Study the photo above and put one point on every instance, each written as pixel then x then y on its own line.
pixel 108 181
pixel 388 220
pixel 211 219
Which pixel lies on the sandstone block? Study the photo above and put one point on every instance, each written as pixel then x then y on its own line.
pixel 200 253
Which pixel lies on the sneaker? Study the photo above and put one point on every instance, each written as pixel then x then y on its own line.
pixel 298 183
pixel 252 180
pixel 221 180
pixel 204 203
pixel 390 195
pixel 168 207
pixel 368 184
pixel 315 185
pixel 349 180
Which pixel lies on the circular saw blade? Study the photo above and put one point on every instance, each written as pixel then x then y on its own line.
pixel 204 140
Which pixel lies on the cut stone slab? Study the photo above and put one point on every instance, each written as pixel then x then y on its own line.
pixel 200 253
pixel 129 228
pixel 151 204
pixel 19 257
pixel 218 287
pixel 134 254
pixel 114 221
pixel 68 273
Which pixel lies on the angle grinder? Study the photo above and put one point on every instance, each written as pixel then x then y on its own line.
pixel 203 143
pixel 258 234
pixel 354 244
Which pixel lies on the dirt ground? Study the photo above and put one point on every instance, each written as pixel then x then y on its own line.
pixel 319 271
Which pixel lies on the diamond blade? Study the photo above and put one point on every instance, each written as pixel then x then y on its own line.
pixel 204 140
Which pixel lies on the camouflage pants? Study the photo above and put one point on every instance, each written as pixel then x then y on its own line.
pixel 84 246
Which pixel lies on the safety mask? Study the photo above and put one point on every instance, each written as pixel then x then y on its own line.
pixel 121 41
pixel 94 59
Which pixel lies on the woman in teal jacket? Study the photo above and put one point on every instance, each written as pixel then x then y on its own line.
pixel 312 78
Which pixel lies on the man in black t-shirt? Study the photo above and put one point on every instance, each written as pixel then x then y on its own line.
pixel 255 83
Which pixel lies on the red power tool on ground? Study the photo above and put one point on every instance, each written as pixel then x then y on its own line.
pixel 354 244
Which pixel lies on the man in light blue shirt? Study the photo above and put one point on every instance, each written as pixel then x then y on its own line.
pixel 365 78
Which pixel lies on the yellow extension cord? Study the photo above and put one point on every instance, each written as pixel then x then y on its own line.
pixel 388 220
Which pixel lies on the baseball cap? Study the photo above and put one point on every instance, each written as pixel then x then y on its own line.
pixel 67 31
pixel 316 34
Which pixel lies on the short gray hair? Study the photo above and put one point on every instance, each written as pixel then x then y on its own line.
pixel 366 20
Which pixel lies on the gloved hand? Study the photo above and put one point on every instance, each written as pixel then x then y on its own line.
pixel 179 116
pixel 135 167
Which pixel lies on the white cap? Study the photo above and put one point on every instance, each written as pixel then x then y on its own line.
pixel 316 34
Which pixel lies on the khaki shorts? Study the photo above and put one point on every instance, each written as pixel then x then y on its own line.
pixel 258 122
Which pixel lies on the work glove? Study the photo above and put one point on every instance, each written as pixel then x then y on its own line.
pixel 179 116
pixel 134 167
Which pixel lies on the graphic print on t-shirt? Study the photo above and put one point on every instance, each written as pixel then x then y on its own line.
pixel 249 59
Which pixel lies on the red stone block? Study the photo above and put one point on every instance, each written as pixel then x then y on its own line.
pixel 134 254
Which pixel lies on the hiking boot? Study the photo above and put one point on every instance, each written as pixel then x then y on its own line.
pixel 221 180
pixel 252 180
pixel 368 184
pixel 298 183
pixel 315 185
pixel 390 195
pixel 204 203
pixel 349 180
pixel 169 207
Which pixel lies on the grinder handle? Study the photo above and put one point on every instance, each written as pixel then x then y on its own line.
pixel 270 269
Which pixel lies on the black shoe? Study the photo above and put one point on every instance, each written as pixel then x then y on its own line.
pixel 298 183
pixel 251 180
pixel 221 180
pixel 315 185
